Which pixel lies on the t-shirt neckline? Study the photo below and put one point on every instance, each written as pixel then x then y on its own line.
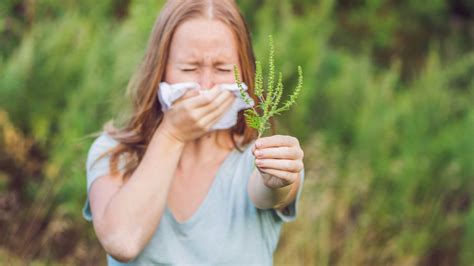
pixel 194 219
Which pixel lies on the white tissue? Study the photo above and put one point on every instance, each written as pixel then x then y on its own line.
pixel 169 93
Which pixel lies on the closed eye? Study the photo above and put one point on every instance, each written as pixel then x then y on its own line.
pixel 224 70
pixel 188 69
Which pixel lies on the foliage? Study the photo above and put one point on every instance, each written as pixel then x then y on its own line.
pixel 268 97
pixel 386 122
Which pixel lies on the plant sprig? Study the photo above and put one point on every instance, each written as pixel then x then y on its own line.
pixel 268 96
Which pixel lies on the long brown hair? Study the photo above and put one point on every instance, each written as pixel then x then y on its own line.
pixel 135 135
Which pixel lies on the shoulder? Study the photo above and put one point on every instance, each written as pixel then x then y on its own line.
pixel 104 141
pixel 99 146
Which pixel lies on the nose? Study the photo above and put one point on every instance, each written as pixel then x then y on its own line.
pixel 206 79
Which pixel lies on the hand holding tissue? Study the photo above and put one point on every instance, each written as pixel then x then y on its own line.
pixel 168 93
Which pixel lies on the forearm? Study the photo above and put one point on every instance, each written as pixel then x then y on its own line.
pixel 136 208
pixel 264 197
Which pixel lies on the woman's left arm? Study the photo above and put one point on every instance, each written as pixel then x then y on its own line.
pixel 280 161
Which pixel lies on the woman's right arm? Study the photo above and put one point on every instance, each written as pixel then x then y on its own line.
pixel 126 214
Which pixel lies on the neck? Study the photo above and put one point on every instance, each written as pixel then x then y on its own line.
pixel 206 149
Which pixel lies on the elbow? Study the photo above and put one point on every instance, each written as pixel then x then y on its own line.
pixel 122 250
pixel 123 257
pixel 117 244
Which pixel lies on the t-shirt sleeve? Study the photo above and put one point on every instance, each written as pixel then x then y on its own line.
pixel 289 213
pixel 96 168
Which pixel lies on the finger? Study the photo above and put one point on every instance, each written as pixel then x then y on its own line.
pixel 280 164
pixel 285 175
pixel 276 141
pixel 214 116
pixel 205 97
pixel 290 153
pixel 187 95
pixel 223 97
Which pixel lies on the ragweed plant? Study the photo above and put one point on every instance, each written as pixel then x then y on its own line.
pixel 269 96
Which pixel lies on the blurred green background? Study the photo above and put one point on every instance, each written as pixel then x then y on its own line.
pixel 386 119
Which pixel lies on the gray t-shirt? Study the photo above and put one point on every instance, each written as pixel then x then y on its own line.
pixel 226 228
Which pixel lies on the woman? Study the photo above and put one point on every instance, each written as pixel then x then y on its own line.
pixel 167 189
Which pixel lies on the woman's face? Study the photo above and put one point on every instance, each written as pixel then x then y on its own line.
pixel 203 51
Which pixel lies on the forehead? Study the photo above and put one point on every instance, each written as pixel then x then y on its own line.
pixel 203 38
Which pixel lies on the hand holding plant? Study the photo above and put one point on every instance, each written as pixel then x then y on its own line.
pixel 279 158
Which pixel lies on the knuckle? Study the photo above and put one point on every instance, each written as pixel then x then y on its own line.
pixel 214 104
pixel 300 166
pixel 294 177
pixel 294 166
pixel 278 153
pixel 207 128
pixel 207 98
pixel 200 125
pixel 295 141
pixel 186 108
pixel 287 176
pixel 193 117
pixel 294 153
pixel 300 154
